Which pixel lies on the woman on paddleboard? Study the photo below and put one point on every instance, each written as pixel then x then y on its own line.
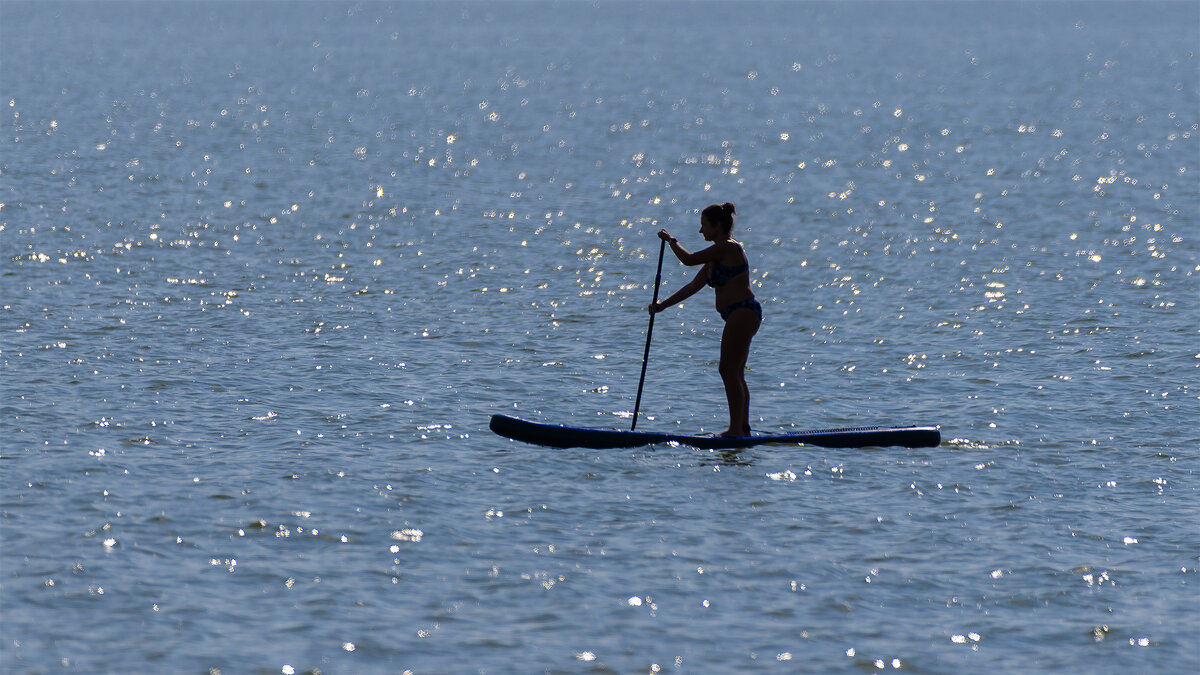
pixel 727 270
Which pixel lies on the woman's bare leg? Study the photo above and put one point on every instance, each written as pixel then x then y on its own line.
pixel 735 349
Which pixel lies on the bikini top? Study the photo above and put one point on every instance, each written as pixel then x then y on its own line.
pixel 719 275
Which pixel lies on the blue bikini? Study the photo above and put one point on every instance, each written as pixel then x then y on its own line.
pixel 719 275
pixel 749 303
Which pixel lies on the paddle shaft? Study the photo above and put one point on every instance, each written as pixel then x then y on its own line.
pixel 662 246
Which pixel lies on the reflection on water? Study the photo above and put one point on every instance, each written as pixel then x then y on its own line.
pixel 268 270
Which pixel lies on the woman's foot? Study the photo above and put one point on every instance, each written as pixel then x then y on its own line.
pixel 735 434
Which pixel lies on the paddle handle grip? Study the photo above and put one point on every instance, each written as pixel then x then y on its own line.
pixel 662 246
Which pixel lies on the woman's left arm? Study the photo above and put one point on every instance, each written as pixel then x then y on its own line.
pixel 690 259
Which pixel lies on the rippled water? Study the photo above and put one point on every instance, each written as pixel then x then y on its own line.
pixel 269 268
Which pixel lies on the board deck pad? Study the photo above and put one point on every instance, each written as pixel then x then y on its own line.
pixel 561 436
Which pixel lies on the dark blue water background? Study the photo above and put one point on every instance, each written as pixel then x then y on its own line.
pixel 267 269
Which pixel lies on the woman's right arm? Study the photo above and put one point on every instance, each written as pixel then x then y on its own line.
pixel 682 294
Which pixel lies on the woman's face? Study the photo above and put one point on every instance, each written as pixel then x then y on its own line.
pixel 708 229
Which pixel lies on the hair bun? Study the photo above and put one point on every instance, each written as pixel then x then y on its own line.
pixel 720 215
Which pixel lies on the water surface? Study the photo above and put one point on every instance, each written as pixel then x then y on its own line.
pixel 268 269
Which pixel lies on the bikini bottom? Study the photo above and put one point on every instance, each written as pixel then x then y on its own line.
pixel 749 303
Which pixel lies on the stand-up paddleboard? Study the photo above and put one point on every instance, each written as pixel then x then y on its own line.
pixel 560 436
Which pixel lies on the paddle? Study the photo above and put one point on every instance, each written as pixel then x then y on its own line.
pixel 662 246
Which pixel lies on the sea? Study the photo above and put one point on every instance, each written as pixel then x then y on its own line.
pixel 267 269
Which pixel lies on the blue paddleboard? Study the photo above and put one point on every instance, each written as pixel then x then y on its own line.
pixel 560 436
